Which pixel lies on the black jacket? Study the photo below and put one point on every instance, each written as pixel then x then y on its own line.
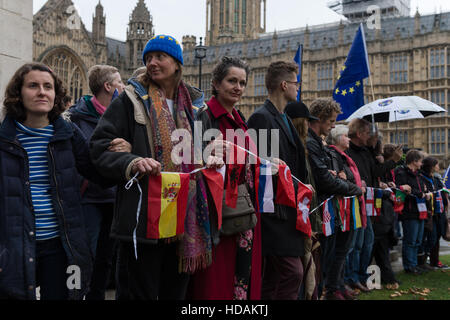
pixel 338 163
pixel 279 234
pixel 404 175
pixel 68 155
pixel 84 118
pixel 125 118
pixel 326 183
pixel 369 169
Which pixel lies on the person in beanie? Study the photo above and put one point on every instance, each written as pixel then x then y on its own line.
pixel 146 114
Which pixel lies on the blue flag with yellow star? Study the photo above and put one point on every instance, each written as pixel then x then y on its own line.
pixel 298 61
pixel 349 89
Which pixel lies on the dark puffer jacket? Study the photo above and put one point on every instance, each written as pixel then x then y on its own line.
pixel 83 115
pixel 68 155
pixel 404 175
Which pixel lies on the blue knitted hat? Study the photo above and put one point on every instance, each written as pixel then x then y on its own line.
pixel 165 44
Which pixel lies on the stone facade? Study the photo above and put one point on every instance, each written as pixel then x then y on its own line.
pixel 16 40
pixel 407 56
pixel 61 41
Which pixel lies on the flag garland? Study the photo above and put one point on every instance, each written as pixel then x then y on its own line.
pixel 304 198
pixel 422 208
pixel 328 218
pixel 285 187
pixel 356 213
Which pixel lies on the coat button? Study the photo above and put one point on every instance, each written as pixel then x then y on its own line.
pixel 31 233
pixel 27 183
pixel 31 259
pixel 1 269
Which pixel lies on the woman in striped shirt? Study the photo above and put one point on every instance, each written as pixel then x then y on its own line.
pixel 43 240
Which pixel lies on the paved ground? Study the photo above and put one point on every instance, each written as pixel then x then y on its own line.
pixel 444 249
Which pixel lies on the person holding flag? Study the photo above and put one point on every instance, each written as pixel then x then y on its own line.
pixel 282 243
pixel 149 220
pixel 235 272
pixel 98 203
pixel 346 169
pixel 414 212
pixel 326 111
pixel 441 223
pixel 384 223
pixel 435 210
pixel 349 88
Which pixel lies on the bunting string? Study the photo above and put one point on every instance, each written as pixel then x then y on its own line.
pixel 134 179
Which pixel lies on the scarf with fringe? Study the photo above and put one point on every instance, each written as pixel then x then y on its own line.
pixel 194 246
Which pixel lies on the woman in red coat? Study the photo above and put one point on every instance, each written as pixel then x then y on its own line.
pixel 235 272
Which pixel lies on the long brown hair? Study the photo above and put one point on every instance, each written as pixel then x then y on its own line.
pixel 13 95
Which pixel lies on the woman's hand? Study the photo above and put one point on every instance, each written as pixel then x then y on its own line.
pixel 380 158
pixel 342 175
pixel 214 162
pixel 428 195
pixel 406 188
pixel 119 145
pixel 147 166
pixel 391 184
pixel 383 185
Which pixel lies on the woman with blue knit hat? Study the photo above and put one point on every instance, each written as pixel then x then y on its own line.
pixel 146 114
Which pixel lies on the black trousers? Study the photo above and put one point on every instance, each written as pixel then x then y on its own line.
pixel 103 255
pixel 336 248
pixel 51 267
pixel 381 254
pixel 154 275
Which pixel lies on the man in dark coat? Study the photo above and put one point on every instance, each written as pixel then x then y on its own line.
pixel 98 202
pixel 359 132
pixel 282 243
pixel 328 184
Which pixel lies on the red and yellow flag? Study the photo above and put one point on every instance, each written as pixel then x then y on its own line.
pixel 167 204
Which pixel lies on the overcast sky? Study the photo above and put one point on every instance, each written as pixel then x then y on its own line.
pixel 182 17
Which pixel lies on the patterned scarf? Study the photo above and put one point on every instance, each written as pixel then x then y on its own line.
pixel 194 249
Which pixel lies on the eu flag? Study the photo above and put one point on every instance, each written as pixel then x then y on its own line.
pixel 446 179
pixel 349 89
pixel 298 60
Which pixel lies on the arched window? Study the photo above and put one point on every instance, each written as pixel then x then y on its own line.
pixel 76 89
pixel 65 65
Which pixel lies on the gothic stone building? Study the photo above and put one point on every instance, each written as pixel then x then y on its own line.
pixel 61 41
pixel 407 56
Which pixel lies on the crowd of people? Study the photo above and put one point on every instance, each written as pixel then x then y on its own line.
pixel 63 200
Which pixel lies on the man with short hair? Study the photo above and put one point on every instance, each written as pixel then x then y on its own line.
pixel 282 243
pixel 335 246
pixel 359 132
pixel 98 203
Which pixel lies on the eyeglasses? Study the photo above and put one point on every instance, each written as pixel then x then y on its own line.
pixel 297 84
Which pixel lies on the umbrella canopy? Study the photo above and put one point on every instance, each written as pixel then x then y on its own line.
pixel 397 108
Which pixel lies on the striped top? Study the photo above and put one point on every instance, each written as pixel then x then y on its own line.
pixel 35 142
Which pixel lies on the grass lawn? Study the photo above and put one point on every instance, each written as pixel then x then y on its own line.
pixel 433 285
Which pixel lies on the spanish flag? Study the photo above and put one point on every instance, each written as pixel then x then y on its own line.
pixel 167 204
